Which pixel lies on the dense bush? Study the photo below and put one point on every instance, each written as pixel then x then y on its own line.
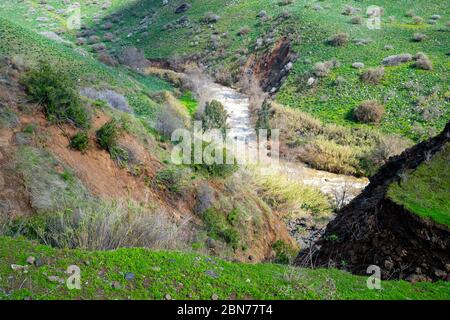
pixel 369 111
pixel 107 138
pixel 218 227
pixel 214 116
pixel 58 95
pixel 284 253
pixel 214 169
pixel 174 179
pixel 108 134
pixel 356 20
pixel 373 75
pixel 339 39
pixel 80 141
pixel 422 61
pixel 418 37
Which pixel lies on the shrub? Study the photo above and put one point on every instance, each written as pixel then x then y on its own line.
pixel 339 39
pixel 356 20
pixel 80 141
pixel 210 17
pixel 294 198
pixel 285 2
pixel 114 100
pixel 418 37
pixel 417 20
pixel 349 10
pixel 214 116
pixel 284 253
pixel 133 58
pixel 372 75
pixel 321 69
pixel 173 179
pixel 218 227
pixel 244 31
pixel 369 111
pixel 214 169
pixel 422 61
pixel 171 116
pixel 385 148
pixel 107 59
pixel 107 137
pixel 108 134
pixel 58 95
pixel 102 225
pixel 326 154
pixel 263 120
pixel 410 13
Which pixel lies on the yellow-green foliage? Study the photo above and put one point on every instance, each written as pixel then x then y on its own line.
pixel 292 197
pixel 327 155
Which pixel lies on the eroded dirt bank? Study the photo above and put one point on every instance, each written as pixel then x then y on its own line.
pixel 373 230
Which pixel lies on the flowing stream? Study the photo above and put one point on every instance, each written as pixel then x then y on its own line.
pixel 240 128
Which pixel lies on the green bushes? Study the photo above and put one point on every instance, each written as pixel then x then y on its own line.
pixel 80 141
pixel 218 227
pixel 174 179
pixel 220 169
pixel 284 253
pixel 57 94
pixel 214 116
pixel 107 137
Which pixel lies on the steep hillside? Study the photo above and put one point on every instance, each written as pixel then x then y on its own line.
pixel 399 222
pixel 226 36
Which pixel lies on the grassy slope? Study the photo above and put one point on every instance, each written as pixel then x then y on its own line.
pixel 327 101
pixel 23 45
pixel 160 273
pixel 426 191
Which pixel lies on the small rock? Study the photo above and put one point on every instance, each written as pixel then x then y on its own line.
pixel 214 297
pixel 38 262
pixel 129 276
pixel 212 274
pixel 31 260
pixel 168 297
pixel 440 273
pixel 183 8
pixel 18 267
pixel 55 279
pixel 311 81
pixel 211 243
pixel 115 285
pixel 358 65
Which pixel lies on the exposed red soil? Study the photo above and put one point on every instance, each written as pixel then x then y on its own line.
pixel 272 67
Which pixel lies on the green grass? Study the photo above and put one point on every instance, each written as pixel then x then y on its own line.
pixel 161 272
pixel 189 101
pixel 426 191
pixel 400 90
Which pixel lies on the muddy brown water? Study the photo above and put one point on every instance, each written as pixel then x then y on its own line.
pixel 241 129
